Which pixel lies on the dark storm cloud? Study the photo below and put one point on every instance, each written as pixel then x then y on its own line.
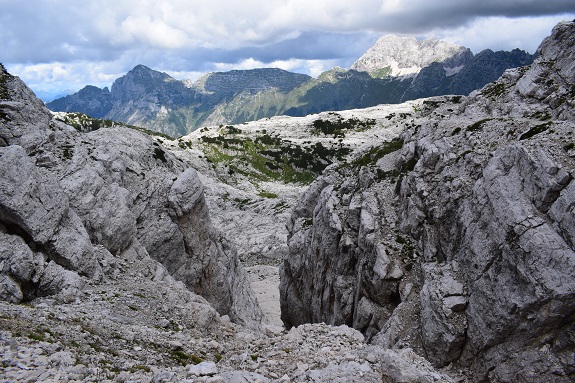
pixel 310 45
pixel 418 16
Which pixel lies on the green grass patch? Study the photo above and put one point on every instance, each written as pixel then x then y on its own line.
pixel 337 128
pixel 265 194
pixel 377 152
pixel 36 336
pixel 268 158
pixel 477 125
pixel 140 367
pixel 494 90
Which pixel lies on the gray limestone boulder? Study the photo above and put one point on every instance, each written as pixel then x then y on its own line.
pixel 34 207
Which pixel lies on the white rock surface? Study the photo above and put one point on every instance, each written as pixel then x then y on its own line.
pixel 405 56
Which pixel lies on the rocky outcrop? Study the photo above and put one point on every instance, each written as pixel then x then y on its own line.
pixel 455 240
pixel 543 90
pixel 78 202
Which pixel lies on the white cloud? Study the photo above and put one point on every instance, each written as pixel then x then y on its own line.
pixel 94 41
pixel 59 76
pixel 499 33
pixel 310 67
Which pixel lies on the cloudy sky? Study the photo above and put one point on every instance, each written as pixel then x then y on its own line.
pixel 59 45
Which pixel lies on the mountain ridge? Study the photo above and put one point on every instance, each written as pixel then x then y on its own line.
pixel 176 108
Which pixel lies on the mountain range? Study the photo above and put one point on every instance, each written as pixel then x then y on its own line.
pixel 394 70
pixel 427 241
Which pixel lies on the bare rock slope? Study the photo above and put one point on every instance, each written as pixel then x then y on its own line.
pixel 456 238
pixel 74 203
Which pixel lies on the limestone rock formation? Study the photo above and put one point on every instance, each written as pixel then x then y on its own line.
pixel 74 202
pixel 405 56
pixel 456 239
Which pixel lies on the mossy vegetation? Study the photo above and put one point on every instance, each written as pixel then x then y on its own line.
pixel 377 152
pixel 265 194
pixel 477 126
pixel 140 367
pixel 270 158
pixel 542 115
pixel 494 90
pixel 184 358
pixel 159 154
pixel 36 336
pixel 459 157
pixel 4 88
pixel 535 130
pixel 338 127
pixel 380 72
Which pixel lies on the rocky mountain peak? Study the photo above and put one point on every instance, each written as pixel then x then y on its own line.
pixel 251 81
pixel 143 72
pixel 406 56
pixel 138 81
pixel 90 100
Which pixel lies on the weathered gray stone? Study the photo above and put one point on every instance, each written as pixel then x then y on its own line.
pixel 480 215
pixel 203 368
pixel 10 290
pixel 84 199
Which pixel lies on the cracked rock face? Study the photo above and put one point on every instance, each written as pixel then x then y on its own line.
pixel 71 203
pixel 462 248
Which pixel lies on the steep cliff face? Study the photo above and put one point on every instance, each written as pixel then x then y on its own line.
pixel 457 238
pixel 229 84
pixel 78 203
